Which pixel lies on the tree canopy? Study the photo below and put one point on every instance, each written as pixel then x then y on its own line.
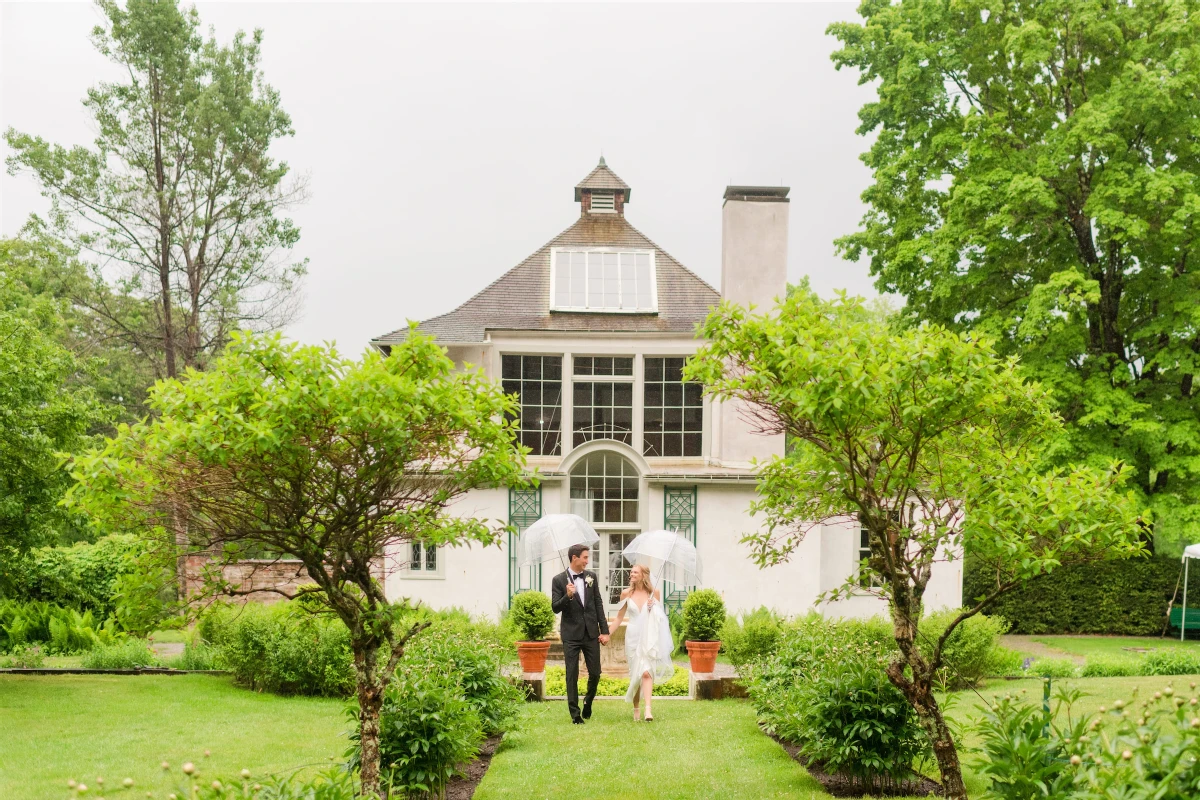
pixel 335 462
pixel 926 438
pixel 43 282
pixel 179 201
pixel 42 414
pixel 1036 179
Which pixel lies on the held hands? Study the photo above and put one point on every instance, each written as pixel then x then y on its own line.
pixel 604 638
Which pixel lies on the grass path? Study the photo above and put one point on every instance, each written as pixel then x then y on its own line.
pixel 84 726
pixel 691 750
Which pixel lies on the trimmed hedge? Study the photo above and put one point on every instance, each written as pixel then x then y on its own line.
pixel 1128 598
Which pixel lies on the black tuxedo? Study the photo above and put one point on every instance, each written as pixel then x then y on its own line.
pixel 582 624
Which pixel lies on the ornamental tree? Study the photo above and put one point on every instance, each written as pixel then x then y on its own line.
pixel 288 449
pixel 933 443
pixel 1036 179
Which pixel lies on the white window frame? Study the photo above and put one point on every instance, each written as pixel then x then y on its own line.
pixel 653 309
pixel 420 573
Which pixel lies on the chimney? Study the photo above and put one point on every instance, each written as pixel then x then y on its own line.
pixel 754 232
pixel 754 223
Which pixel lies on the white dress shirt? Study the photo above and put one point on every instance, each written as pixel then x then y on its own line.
pixel 580 587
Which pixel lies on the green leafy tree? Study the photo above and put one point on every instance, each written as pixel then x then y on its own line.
pixel 338 463
pixel 41 415
pixel 42 282
pixel 1036 179
pixel 179 199
pixel 933 443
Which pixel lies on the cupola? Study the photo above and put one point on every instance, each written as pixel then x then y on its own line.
pixel 602 192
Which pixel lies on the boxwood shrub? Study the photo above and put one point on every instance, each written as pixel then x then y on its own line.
pixel 703 616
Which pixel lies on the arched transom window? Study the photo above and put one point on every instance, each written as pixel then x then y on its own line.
pixel 604 488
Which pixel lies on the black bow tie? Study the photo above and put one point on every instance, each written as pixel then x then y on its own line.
pixel 576 576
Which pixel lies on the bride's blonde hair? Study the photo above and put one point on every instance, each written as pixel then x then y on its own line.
pixel 643 582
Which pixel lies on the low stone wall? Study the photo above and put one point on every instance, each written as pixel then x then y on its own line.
pixel 258 576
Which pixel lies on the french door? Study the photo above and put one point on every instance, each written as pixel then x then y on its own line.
pixel 610 565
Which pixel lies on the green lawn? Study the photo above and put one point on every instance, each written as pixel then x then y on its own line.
pixel 82 726
pixel 690 750
pixel 1111 646
pixel 61 727
pixel 1097 691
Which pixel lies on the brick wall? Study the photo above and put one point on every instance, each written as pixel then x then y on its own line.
pixel 257 575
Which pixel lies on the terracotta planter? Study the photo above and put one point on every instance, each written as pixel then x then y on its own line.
pixel 533 655
pixel 703 655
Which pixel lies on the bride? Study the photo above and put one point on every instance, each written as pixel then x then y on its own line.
pixel 648 642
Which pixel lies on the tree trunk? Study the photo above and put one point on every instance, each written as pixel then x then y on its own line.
pixel 918 689
pixel 370 702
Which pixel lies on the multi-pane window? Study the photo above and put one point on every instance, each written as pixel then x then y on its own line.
pixel 537 382
pixel 604 366
pixel 603 280
pixel 602 409
pixel 674 410
pixel 618 567
pixel 604 488
pixel 524 509
pixel 424 558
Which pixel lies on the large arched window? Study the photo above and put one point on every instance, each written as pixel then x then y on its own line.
pixel 604 488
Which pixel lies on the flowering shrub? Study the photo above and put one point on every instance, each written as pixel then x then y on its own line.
pixel 427 730
pixel 824 689
pixel 1147 749
pixel 475 663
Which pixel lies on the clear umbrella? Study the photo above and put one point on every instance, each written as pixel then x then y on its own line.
pixel 667 555
pixel 550 537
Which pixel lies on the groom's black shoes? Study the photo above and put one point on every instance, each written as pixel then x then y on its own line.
pixel 587 710
pixel 577 720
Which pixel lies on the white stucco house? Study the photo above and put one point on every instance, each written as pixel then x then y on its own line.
pixel 591 332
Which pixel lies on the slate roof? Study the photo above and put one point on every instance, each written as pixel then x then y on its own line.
pixel 602 178
pixel 520 298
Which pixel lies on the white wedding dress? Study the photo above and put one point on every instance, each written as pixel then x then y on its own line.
pixel 648 644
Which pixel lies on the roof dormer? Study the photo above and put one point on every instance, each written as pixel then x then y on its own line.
pixel 602 192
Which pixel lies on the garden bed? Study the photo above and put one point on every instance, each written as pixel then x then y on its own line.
pixel 841 785
pixel 463 787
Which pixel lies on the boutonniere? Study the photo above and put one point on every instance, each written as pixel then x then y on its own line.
pixel 589 581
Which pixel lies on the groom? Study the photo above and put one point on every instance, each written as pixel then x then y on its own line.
pixel 576 595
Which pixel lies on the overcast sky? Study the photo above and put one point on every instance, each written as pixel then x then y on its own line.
pixel 443 142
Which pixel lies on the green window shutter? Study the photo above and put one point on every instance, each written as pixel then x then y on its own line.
pixel 679 515
pixel 524 509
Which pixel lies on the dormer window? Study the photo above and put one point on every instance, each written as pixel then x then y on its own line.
pixel 603 279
